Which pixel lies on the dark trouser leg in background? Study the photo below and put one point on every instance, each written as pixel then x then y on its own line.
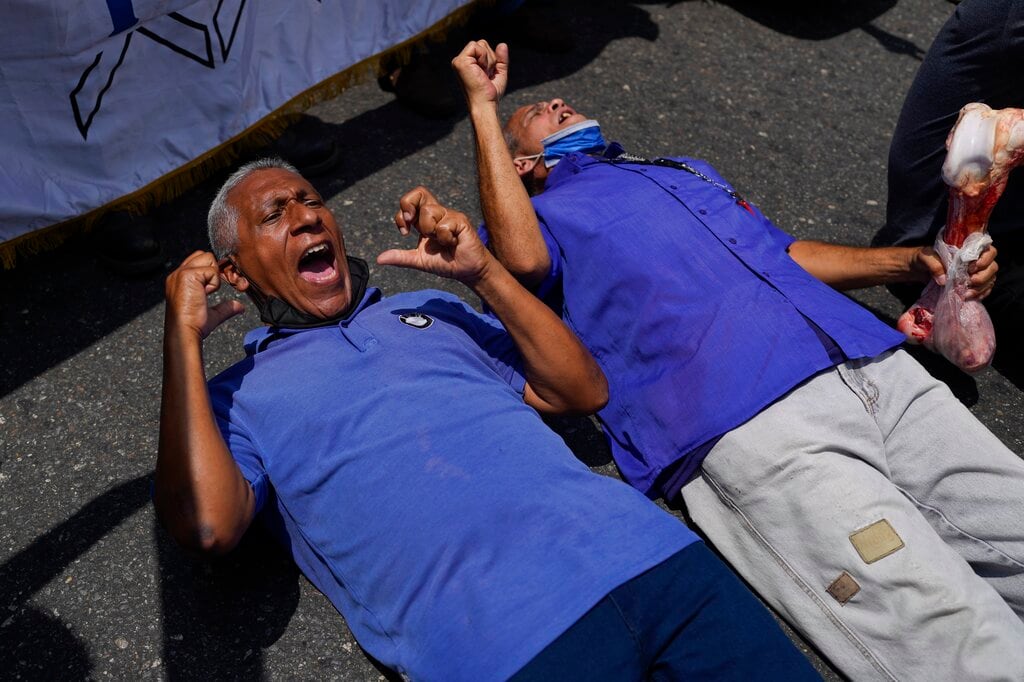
pixel 687 618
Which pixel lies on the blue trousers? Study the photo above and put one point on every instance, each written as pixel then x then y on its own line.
pixel 687 618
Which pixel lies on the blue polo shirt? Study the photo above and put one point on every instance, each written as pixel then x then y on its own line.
pixel 395 457
pixel 691 305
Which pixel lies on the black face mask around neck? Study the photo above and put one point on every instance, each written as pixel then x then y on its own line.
pixel 279 313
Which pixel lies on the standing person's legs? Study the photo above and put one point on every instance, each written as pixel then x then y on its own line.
pixel 968 62
pixel 796 499
pixel 966 483
pixel 1005 306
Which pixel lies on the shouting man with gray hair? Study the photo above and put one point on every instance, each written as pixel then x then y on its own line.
pixel 394 447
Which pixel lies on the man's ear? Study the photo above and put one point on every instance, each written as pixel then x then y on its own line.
pixel 230 273
pixel 524 166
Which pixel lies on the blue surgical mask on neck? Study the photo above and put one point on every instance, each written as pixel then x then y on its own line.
pixel 584 137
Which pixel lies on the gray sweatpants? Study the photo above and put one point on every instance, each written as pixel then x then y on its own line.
pixel 876 514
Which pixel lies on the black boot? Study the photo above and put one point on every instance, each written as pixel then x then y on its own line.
pixel 540 27
pixel 308 144
pixel 128 244
pixel 424 85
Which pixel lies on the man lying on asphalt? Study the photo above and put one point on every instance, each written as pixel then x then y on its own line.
pixel 845 484
pixel 394 445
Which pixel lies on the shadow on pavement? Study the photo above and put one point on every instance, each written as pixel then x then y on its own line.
pixel 894 44
pixel 219 615
pixel 821 20
pixel 37 645
pixel 42 648
pixel 583 436
pixel 811 19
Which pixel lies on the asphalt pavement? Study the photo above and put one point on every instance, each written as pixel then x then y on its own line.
pixel 794 102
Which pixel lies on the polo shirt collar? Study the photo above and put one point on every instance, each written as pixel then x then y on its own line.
pixel 258 339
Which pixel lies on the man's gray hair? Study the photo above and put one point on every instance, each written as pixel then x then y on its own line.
pixel 511 141
pixel 222 220
pixel 515 146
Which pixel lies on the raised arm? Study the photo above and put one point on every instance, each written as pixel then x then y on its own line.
pixel 855 267
pixel 561 375
pixel 200 494
pixel 511 223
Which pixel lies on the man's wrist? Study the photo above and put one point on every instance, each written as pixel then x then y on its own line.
pixel 181 338
pixel 483 111
pixel 487 279
pixel 917 267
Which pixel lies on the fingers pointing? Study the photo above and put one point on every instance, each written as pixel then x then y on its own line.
pixel 399 258
pixel 410 206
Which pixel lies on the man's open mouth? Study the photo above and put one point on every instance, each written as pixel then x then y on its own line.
pixel 317 264
pixel 564 115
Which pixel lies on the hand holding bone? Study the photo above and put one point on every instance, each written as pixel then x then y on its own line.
pixel 983 147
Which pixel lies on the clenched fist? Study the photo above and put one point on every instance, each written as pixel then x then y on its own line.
pixel 187 292
pixel 483 72
pixel 448 245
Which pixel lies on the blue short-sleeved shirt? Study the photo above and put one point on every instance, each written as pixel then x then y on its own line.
pixel 691 305
pixel 393 451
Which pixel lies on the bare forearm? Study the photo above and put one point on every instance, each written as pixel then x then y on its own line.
pixel 511 222
pixel 200 494
pixel 853 267
pixel 561 375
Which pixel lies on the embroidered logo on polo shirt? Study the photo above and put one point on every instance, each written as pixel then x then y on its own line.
pixel 417 320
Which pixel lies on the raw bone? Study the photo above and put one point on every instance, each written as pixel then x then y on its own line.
pixel 982 148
